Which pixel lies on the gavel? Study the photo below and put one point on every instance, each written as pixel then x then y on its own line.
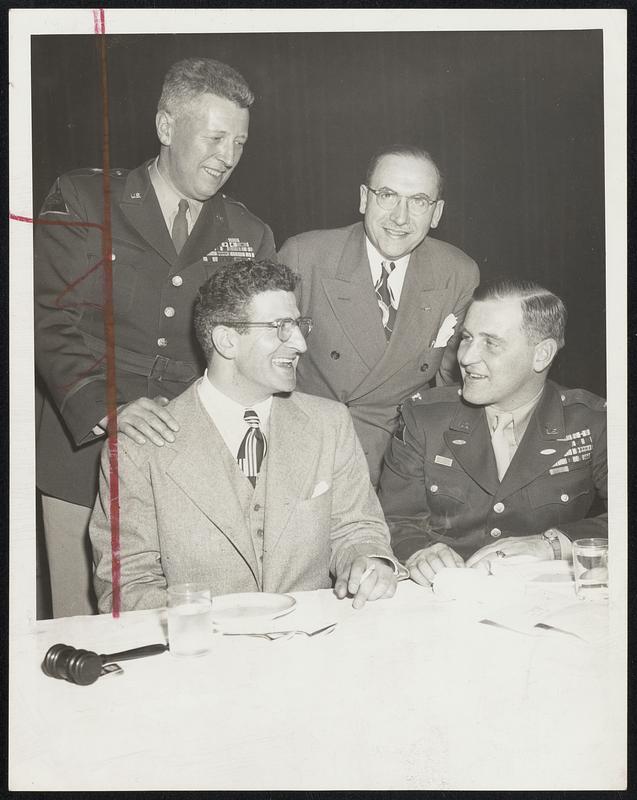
pixel 84 667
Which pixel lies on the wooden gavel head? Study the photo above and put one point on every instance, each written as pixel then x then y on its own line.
pixel 82 667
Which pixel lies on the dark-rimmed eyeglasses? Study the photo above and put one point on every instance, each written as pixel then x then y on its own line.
pixel 388 199
pixel 284 327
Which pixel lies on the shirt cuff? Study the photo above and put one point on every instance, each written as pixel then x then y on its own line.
pixel 400 572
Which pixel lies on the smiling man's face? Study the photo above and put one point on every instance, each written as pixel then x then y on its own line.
pixel 264 365
pixel 202 144
pixel 397 232
pixel 499 363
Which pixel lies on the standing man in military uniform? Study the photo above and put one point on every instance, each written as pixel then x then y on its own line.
pixel 509 464
pixel 171 227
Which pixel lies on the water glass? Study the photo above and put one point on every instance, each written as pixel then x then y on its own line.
pixel 190 626
pixel 590 567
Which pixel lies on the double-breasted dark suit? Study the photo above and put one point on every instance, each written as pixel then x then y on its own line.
pixel 153 294
pixel 440 481
pixel 348 357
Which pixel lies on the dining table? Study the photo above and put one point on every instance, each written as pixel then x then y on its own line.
pixel 516 684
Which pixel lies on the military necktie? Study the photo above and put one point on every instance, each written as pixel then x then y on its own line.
pixel 252 449
pixel 180 226
pixel 383 297
pixel 503 441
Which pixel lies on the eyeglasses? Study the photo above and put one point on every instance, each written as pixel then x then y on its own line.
pixel 388 199
pixel 284 327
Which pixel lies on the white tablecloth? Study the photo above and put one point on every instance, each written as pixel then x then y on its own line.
pixel 407 693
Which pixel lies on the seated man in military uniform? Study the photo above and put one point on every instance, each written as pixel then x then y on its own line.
pixel 509 464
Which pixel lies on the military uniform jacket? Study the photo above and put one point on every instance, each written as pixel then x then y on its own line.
pixel 348 357
pixel 440 481
pixel 153 292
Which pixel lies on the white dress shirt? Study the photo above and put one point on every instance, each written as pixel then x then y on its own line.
pixel 397 276
pixel 227 414
pixel 169 198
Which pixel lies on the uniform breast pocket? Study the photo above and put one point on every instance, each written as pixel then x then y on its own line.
pixel 446 490
pixel 566 496
pixel 126 262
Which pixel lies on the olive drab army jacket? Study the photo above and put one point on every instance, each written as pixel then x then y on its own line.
pixel 440 481
pixel 154 289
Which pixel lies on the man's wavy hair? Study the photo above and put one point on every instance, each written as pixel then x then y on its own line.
pixel 187 79
pixel 226 295
pixel 543 313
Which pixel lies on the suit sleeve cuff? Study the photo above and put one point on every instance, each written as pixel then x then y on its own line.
pixel 400 572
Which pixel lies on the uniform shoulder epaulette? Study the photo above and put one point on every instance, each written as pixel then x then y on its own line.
pixel 87 172
pixel 229 199
pixel 436 394
pixel 573 396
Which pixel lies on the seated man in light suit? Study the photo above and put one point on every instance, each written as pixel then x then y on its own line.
pixel 508 465
pixel 264 489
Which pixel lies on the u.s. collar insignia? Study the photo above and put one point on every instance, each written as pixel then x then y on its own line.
pixel 135 196
pixel 231 248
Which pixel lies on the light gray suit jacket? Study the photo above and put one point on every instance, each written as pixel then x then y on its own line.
pixel 181 518
pixel 348 358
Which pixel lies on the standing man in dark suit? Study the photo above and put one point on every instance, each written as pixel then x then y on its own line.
pixel 385 297
pixel 171 227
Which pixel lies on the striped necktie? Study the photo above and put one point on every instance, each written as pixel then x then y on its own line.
pixel 180 226
pixel 383 297
pixel 252 449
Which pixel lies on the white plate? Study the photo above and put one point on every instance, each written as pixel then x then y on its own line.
pixel 246 606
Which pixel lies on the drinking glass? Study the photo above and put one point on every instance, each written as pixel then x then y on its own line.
pixel 190 626
pixel 590 567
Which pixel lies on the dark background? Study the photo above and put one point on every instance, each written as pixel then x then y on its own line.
pixel 515 120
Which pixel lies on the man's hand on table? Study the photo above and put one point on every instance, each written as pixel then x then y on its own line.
pixel 378 584
pixel 511 546
pixel 424 564
pixel 144 419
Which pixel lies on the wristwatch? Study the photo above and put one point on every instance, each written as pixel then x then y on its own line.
pixel 553 538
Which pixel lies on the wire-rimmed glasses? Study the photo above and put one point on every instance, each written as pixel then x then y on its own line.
pixel 388 199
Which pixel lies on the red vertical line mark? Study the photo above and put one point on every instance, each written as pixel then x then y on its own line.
pixel 109 324
pixel 98 21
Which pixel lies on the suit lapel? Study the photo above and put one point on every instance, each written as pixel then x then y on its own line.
pixel 353 300
pixel 418 312
pixel 205 469
pixel 291 451
pixel 140 206
pixel 545 428
pixel 469 440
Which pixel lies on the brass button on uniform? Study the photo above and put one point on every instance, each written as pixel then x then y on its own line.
pixel 335 355
pixel 169 311
pixel 424 367
pixel 259 531
pixel 113 256
pixel 162 342
pixel 257 507
pixel 495 532
pixel 177 280
pixel 498 508
pixel 564 498
pixel 433 488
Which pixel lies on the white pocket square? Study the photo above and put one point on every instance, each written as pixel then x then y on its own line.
pixel 446 331
pixel 320 488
